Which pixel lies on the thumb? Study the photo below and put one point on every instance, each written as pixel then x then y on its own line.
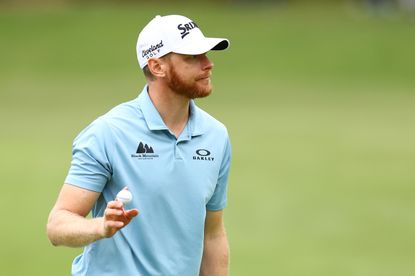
pixel 132 213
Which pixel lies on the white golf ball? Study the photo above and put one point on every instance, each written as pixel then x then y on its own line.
pixel 125 196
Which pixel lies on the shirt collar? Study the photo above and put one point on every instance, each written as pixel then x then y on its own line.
pixel 154 121
pixel 150 113
pixel 195 123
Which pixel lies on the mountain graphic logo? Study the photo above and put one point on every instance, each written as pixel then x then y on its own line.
pixel 144 148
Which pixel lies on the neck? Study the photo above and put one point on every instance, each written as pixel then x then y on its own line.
pixel 173 108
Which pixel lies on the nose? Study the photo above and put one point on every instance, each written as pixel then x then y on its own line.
pixel 206 63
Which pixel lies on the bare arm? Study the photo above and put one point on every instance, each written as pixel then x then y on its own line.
pixel 68 226
pixel 215 260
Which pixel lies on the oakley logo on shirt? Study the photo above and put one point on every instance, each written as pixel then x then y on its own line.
pixel 203 154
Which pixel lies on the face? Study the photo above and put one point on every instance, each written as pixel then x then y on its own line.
pixel 190 75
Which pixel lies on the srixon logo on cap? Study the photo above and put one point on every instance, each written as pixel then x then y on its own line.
pixel 185 28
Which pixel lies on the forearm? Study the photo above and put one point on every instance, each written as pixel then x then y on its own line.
pixel 69 229
pixel 215 260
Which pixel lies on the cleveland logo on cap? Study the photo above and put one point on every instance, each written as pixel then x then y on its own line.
pixel 185 28
pixel 150 52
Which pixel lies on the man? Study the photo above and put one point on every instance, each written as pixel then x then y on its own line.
pixel 172 156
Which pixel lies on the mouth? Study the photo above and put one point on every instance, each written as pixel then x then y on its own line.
pixel 204 80
pixel 205 77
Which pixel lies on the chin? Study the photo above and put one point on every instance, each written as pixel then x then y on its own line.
pixel 203 95
pixel 203 92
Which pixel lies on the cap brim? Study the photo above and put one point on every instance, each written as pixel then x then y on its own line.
pixel 202 46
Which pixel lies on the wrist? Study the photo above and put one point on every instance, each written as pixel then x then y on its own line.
pixel 99 229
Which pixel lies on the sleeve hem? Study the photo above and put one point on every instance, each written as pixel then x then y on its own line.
pixel 216 208
pixel 83 184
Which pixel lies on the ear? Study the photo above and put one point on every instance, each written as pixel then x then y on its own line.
pixel 157 67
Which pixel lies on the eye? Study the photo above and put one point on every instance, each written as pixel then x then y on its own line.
pixel 191 58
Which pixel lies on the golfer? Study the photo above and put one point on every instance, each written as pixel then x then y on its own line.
pixel 173 157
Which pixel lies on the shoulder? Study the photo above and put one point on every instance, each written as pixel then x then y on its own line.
pixel 122 117
pixel 121 112
pixel 210 124
pixel 104 125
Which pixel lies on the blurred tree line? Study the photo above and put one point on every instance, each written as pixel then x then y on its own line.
pixel 375 4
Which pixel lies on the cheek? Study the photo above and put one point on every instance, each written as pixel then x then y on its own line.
pixel 188 76
pixel 188 72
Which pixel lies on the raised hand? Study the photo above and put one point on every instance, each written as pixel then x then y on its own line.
pixel 115 218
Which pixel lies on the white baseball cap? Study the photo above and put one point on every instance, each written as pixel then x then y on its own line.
pixel 177 34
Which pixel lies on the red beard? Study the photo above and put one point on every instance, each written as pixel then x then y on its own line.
pixel 190 90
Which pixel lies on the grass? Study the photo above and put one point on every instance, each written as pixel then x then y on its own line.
pixel 318 101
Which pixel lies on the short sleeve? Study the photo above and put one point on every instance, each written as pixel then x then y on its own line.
pixel 219 198
pixel 90 166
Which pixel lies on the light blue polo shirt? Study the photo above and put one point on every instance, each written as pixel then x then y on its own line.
pixel 173 182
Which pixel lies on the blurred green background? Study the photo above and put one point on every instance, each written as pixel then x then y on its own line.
pixel 319 99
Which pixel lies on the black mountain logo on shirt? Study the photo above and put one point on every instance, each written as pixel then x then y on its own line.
pixel 144 152
pixel 144 148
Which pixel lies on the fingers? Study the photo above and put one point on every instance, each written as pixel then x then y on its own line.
pixel 115 217
pixel 114 224
pixel 114 211
pixel 115 204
